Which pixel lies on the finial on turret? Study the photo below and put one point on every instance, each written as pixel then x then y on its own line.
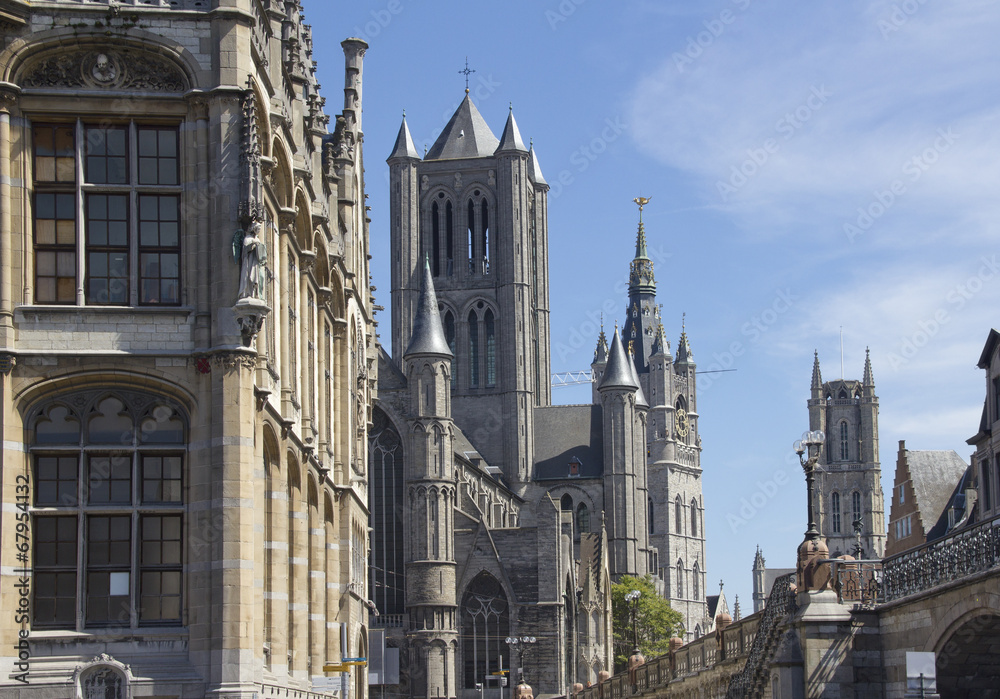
pixel 467 72
pixel 641 201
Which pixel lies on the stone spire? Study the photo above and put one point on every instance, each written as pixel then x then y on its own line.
pixel 601 353
pixel 660 343
pixel 536 169
pixel 641 277
pixel 817 379
pixel 404 143
pixel 758 560
pixel 428 334
pixel 618 374
pixel 510 139
pixel 684 353
pixel 869 380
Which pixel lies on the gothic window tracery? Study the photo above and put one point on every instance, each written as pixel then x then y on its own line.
pixel 844 442
pixel 856 505
pixel 678 516
pixel 386 506
pixel 485 625
pixel 103 683
pixel 694 517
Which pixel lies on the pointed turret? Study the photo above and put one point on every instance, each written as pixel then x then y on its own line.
pixel 641 278
pixel 428 334
pixel 617 374
pixel 869 380
pixel 404 144
pixel 758 560
pixel 684 353
pixel 816 387
pixel 661 345
pixel 466 135
pixel 510 140
pixel 601 352
pixel 536 170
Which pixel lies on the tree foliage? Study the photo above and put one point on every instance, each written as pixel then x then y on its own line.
pixel 656 622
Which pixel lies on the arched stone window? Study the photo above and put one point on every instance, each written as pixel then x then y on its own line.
pixel 694 517
pixel 844 442
pixel 103 678
pixel 386 505
pixel 835 512
pixel 695 582
pixel 680 578
pixel 582 519
pixel 485 625
pixel 108 469
pixel 435 251
pixel 649 517
pixel 491 349
pixel 473 349
pixel 449 227
pixel 487 244
pixel 566 503
pixel 855 506
pixel 473 248
pixel 678 516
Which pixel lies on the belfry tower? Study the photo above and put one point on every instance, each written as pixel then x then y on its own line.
pixel 849 477
pixel 476 207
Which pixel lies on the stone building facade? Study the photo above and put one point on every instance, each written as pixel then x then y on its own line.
pixel 495 513
pixel 187 353
pixel 849 476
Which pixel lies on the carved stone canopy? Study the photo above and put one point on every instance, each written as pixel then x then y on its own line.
pixel 104 68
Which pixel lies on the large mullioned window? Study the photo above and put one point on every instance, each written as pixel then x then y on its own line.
pixel 485 626
pixel 108 512
pixel 107 214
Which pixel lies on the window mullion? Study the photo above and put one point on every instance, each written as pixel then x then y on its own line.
pixel 81 254
pixel 133 212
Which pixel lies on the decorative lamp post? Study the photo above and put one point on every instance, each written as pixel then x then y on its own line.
pixel 520 644
pixel 811 574
pixel 632 600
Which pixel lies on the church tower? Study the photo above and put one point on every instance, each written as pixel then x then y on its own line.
pixel 476 207
pixel 849 478
pixel 674 504
pixel 430 483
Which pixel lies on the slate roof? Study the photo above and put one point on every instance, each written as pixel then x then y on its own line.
pixel 428 334
pixel 934 475
pixel 404 144
pixel 466 135
pixel 957 500
pixel 510 139
pixel 536 169
pixel 563 432
pixel 617 374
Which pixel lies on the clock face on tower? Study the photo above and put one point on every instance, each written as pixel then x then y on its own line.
pixel 683 424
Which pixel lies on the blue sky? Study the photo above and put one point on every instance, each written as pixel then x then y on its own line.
pixel 812 166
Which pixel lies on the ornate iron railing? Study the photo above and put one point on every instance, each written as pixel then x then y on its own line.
pixel 964 553
pixel 857 582
pixel 749 681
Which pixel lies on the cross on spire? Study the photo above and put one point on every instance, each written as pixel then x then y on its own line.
pixel 467 72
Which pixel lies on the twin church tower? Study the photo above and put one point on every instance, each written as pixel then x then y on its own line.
pixel 495 513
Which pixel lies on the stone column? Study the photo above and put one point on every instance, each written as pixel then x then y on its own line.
pixel 8 100
pixel 234 611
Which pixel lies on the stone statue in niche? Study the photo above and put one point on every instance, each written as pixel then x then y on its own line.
pixel 250 252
